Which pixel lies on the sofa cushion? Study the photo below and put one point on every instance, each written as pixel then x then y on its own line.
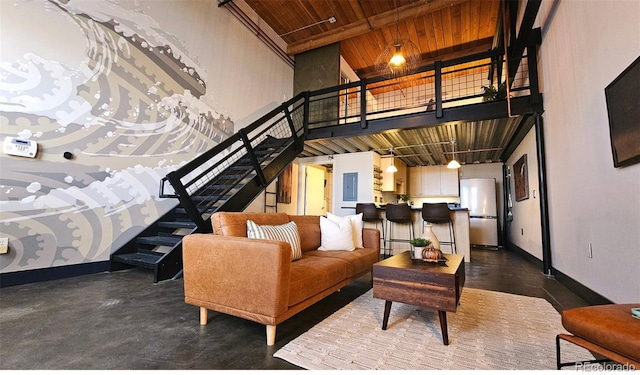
pixel 309 229
pixel 356 226
pixel 336 235
pixel 285 232
pixel 357 261
pixel 235 223
pixel 312 275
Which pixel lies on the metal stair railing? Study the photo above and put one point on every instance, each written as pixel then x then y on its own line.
pixel 230 175
pixel 234 172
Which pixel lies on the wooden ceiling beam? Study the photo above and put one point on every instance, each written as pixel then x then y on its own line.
pixel 364 26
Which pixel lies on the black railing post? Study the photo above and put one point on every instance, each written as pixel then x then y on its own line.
pixel 500 65
pixel 187 202
pixel 252 157
pixel 438 88
pixel 534 86
pixel 305 114
pixel 363 103
pixel 287 114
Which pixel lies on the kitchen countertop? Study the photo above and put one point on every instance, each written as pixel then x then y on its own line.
pixel 382 207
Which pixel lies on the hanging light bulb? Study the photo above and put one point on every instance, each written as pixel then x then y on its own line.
pixel 391 168
pixel 397 60
pixel 400 57
pixel 453 164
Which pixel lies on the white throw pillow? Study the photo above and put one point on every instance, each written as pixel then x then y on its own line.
pixel 336 235
pixel 285 232
pixel 356 226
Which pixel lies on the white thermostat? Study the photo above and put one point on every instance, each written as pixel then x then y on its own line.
pixel 20 147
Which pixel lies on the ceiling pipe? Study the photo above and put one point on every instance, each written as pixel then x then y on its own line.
pixel 331 19
pixel 256 30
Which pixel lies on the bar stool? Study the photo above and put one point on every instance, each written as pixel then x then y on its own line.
pixel 371 214
pixel 439 213
pixel 401 214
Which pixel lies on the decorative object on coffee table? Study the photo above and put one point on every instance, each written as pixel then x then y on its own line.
pixel 419 245
pixel 428 233
pixel 431 254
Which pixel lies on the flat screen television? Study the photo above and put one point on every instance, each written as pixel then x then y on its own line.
pixel 623 107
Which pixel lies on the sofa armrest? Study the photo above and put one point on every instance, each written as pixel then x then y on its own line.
pixel 371 238
pixel 237 273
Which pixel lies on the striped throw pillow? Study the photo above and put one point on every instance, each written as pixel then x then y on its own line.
pixel 285 232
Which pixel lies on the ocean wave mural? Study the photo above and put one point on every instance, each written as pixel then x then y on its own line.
pixel 129 108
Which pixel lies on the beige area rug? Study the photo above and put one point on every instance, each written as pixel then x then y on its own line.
pixel 489 331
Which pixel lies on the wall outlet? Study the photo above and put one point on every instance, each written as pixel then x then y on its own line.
pixel 590 254
pixel 4 245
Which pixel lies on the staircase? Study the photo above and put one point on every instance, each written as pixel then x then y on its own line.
pixel 232 174
pixel 225 178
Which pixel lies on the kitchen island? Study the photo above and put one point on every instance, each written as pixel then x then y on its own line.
pixel 459 218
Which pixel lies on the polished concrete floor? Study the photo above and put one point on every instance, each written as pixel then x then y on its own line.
pixel 122 320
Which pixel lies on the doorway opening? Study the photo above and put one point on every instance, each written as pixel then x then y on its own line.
pixel 317 183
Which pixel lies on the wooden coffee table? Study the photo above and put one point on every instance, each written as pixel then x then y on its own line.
pixel 429 285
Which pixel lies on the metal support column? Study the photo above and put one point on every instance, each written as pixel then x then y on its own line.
pixel 544 206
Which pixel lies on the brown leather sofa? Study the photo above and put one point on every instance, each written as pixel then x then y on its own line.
pixel 607 330
pixel 256 279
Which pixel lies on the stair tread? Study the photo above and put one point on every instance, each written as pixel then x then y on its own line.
pixel 140 259
pixel 162 240
pixel 177 224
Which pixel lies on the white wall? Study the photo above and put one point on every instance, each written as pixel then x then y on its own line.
pixel 361 163
pixel 245 77
pixel 525 230
pixel 585 45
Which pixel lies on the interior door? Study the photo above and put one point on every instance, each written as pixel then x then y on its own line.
pixel 314 202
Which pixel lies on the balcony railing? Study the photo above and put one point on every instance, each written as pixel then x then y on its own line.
pixel 441 85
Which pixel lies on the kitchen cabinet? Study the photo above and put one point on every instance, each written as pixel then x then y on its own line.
pixel 449 182
pixel 394 182
pixel 433 181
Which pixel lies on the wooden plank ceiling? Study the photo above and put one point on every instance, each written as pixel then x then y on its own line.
pixel 441 29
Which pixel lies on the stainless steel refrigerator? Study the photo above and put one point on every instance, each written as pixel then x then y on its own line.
pixel 479 196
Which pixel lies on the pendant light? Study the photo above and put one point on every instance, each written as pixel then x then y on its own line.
pixel 391 168
pixel 453 164
pixel 400 57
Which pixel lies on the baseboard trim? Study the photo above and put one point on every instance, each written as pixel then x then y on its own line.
pixel 590 296
pixel 526 255
pixel 53 273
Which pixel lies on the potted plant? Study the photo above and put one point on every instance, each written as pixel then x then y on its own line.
pixel 492 93
pixel 418 245
pixel 403 197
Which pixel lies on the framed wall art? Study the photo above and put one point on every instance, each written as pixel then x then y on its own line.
pixel 284 185
pixel 521 178
pixel 623 108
